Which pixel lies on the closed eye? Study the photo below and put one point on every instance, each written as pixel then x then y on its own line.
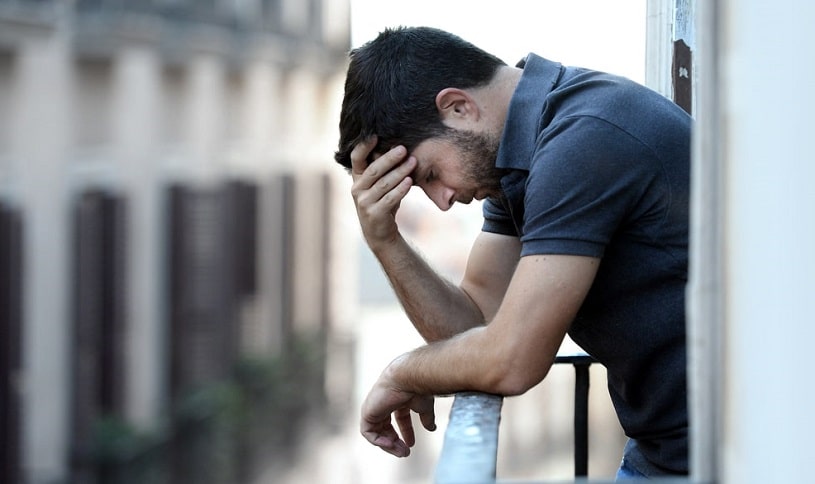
pixel 428 177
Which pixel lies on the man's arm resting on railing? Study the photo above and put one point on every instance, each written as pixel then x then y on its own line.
pixel 470 450
pixel 507 357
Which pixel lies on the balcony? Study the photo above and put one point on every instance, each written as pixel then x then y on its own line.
pixel 470 450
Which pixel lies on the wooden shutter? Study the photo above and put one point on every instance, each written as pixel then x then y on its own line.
pixel 202 287
pixel 98 352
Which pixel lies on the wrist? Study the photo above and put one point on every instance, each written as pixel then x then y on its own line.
pixel 382 247
pixel 392 374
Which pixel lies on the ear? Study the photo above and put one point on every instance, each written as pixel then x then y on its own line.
pixel 456 106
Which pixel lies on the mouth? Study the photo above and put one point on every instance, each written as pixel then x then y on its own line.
pixel 466 199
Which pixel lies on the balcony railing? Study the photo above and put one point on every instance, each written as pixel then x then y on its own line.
pixel 470 450
pixel 471 440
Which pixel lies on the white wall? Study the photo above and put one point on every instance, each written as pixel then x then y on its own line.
pixel 753 140
pixel 767 100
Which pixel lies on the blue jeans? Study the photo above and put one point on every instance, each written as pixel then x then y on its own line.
pixel 627 472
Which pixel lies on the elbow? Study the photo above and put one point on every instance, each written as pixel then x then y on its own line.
pixel 513 376
pixel 510 366
pixel 514 384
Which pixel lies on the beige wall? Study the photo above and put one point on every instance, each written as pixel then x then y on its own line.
pixel 127 116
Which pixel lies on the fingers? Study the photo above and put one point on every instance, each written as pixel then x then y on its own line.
pixel 384 436
pixel 379 189
pixel 384 403
pixel 427 412
pixel 359 155
pixel 375 424
pixel 387 179
pixel 383 164
pixel 423 405
pixel 405 424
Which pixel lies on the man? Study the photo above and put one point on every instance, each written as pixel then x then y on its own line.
pixel 584 178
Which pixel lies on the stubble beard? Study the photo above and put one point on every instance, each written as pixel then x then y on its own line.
pixel 479 152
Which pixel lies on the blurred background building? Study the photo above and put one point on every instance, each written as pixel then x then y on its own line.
pixel 162 173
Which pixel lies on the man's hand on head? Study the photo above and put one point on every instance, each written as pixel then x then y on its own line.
pixel 378 189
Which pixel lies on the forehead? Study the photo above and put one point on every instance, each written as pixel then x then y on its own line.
pixel 432 148
pixel 436 154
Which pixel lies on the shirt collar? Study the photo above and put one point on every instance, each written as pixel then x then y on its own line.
pixel 525 108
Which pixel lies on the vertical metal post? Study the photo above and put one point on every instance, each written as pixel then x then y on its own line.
pixel 581 363
pixel 581 419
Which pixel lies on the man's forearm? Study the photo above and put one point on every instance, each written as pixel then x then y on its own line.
pixel 515 351
pixel 474 360
pixel 436 307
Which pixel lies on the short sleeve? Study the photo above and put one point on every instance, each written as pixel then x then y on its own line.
pixel 587 181
pixel 497 219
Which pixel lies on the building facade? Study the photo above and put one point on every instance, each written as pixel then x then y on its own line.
pixel 166 207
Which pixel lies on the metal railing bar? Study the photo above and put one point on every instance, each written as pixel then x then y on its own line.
pixel 581 363
pixel 470 448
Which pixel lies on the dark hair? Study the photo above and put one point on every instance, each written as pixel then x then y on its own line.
pixel 392 82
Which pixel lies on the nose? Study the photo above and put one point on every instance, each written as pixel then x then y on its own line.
pixel 442 196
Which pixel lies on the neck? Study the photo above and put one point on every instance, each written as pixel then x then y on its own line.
pixel 498 94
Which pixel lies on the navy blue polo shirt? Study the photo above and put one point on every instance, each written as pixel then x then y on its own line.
pixel 599 166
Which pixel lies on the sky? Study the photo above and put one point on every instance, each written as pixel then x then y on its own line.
pixel 607 35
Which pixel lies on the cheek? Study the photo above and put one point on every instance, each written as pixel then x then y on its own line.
pixel 434 190
pixel 427 188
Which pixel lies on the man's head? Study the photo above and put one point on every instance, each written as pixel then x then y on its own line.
pixel 458 167
pixel 393 81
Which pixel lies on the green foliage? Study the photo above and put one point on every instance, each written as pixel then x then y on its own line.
pixel 116 440
pixel 222 431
